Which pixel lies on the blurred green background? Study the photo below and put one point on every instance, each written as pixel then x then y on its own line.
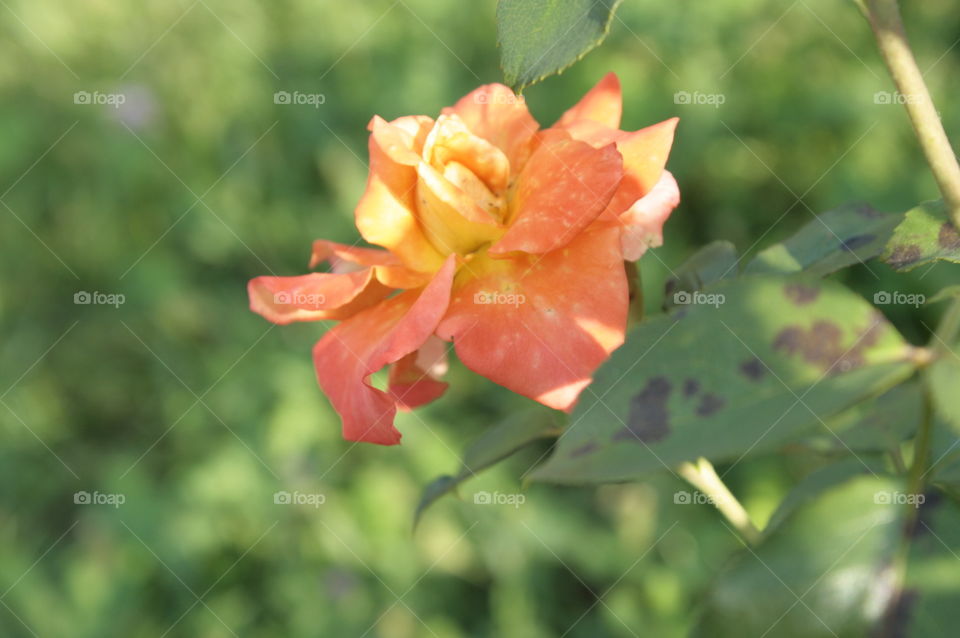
pixel 196 412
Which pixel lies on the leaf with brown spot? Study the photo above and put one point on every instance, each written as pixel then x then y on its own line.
pixel 648 419
pixel 838 238
pixel 725 381
pixel 925 235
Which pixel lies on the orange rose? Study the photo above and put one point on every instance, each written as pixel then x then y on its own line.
pixel 506 239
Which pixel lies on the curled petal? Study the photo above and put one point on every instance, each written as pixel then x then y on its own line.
pixel 451 141
pixel 602 104
pixel 385 215
pixel 387 267
pixel 353 350
pixel 565 186
pixel 643 222
pixel 541 325
pixel 498 115
pixel 414 379
pixel 342 256
pixel 315 296
pixel 452 220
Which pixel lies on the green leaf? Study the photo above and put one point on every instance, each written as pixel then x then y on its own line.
pixel 874 426
pixel 943 374
pixel 944 455
pixel 813 485
pixel 715 261
pixel 943 379
pixel 823 571
pixel 848 235
pixel 946 294
pixel 925 235
pixel 541 37
pixel 760 368
pixel 928 606
pixel 496 444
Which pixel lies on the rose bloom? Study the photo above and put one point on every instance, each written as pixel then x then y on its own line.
pixel 507 239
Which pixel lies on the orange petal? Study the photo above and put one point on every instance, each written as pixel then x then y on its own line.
pixel 353 350
pixel 541 325
pixel 603 104
pixel 414 378
pixel 565 186
pixel 643 222
pixel 385 214
pixel 315 296
pixel 645 154
pixel 501 117
pixel 387 267
pixel 341 254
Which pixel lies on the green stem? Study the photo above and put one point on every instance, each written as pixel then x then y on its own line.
pixel 916 485
pixel 887 25
pixel 921 449
pixel 897 458
pixel 704 477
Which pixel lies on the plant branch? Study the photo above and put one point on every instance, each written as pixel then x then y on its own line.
pixel 704 477
pixel 887 25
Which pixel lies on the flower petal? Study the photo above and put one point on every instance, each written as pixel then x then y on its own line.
pixel 498 115
pixel 315 296
pixel 645 154
pixel 451 141
pixel 341 255
pixel 387 267
pixel 353 350
pixel 541 325
pixel 643 222
pixel 451 219
pixel 385 213
pixel 414 379
pixel 565 186
pixel 603 104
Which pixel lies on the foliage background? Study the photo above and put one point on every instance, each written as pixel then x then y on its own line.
pixel 197 412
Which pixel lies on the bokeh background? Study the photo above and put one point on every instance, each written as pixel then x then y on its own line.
pixel 195 412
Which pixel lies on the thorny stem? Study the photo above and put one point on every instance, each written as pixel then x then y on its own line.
pixel 887 25
pixel 704 477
